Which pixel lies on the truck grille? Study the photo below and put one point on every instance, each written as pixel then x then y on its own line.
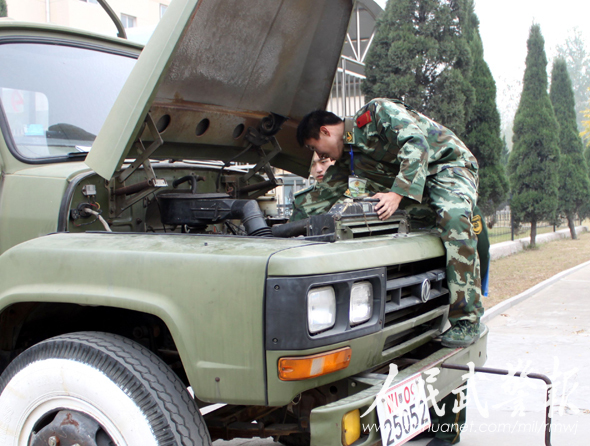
pixel 416 301
pixel 405 319
pixel 357 227
pixel 349 221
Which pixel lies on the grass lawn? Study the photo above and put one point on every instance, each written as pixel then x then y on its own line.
pixel 504 235
pixel 514 274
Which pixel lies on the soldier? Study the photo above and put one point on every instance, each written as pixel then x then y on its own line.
pixel 331 187
pixel 319 167
pixel 310 201
pixel 426 170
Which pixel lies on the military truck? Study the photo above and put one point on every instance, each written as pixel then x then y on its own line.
pixel 145 298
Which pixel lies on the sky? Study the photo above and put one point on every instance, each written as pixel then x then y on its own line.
pixel 504 28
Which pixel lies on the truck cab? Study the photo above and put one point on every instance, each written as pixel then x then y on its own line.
pixel 147 295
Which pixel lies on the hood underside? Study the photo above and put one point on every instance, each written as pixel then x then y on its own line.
pixel 213 68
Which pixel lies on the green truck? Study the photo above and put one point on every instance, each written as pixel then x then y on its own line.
pixel 146 297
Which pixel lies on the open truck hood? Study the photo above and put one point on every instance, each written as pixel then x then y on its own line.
pixel 213 68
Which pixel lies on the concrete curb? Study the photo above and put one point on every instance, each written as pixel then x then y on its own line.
pixel 503 306
pixel 499 250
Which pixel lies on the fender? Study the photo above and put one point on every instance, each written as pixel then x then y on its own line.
pixel 216 322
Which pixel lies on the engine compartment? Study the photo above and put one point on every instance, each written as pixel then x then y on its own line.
pixel 209 198
pixel 195 197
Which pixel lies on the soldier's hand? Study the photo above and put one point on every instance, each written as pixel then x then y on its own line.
pixel 388 204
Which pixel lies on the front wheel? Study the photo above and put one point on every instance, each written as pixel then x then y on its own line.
pixel 95 389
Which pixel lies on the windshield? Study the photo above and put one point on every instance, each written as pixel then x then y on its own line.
pixel 56 98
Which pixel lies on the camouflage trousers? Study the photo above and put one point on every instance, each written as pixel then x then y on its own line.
pixel 448 203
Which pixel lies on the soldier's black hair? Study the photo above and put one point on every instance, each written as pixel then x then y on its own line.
pixel 309 127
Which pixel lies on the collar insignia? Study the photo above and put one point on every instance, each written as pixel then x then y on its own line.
pixel 348 131
pixel 363 119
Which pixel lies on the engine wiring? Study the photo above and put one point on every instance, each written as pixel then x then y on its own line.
pixel 98 217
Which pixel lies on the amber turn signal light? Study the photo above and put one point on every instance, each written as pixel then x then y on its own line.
pixel 305 367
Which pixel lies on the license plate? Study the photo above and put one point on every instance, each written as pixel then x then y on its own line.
pixel 403 411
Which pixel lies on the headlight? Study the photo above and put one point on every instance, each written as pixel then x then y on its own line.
pixel 361 303
pixel 321 309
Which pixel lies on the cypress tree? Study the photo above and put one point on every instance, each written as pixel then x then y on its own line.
pixel 482 132
pixel 574 186
pixel 534 160
pixel 586 130
pixel 3 9
pixel 585 211
pixel 505 152
pixel 577 59
pixel 419 55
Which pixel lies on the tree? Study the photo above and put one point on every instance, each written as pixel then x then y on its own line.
pixel 420 56
pixel 508 98
pixel 574 186
pixel 482 130
pixel 534 160
pixel 578 63
pixel 585 211
pixel 586 129
pixel 505 153
pixel 3 9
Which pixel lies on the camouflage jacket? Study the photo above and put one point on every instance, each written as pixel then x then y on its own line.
pixel 316 199
pixel 396 146
pixel 320 197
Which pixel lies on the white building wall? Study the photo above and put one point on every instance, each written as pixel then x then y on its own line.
pixel 85 15
pixel 27 10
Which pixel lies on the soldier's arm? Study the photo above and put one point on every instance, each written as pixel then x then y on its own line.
pixel 320 198
pixel 317 201
pixel 298 212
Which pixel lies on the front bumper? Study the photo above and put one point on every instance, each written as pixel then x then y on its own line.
pixel 326 421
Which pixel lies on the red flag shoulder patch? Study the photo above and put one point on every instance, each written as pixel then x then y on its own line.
pixel 363 119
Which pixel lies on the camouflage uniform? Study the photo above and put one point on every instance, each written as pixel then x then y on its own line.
pixel 426 163
pixel 320 197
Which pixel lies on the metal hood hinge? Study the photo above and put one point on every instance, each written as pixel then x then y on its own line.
pixel 118 201
pixel 256 138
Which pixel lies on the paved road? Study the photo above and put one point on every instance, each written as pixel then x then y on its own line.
pixel 547 333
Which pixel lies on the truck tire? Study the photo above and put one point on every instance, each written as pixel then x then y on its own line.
pixel 98 388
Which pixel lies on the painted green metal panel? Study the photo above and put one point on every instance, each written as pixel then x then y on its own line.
pixel 186 280
pixel 209 291
pixel 22 218
pixel 127 116
pixel 30 201
pixel 355 254
pixel 29 29
pixel 367 353
pixel 63 171
pixel 229 62
pixel 326 421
